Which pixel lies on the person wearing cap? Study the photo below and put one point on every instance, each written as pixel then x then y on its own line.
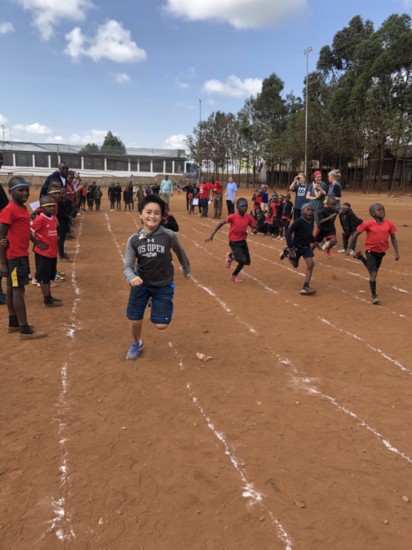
pixel 239 222
pixel 316 194
pixel 349 222
pixel 14 260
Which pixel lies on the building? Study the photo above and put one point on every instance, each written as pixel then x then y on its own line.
pixel 42 158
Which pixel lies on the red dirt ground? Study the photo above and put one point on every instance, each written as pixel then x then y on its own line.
pixel 297 434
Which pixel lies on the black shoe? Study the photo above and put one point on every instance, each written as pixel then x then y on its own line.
pixel 54 302
pixel 307 290
pixel 284 254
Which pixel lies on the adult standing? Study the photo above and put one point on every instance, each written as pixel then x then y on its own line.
pixel 316 194
pixel 166 189
pixel 334 189
pixel 204 192
pixel 300 188
pixel 4 201
pixel 230 195
pixel 217 195
pixel 61 174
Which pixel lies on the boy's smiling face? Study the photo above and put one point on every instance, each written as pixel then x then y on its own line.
pixel 151 216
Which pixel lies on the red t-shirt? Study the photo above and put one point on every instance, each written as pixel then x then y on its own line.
pixel 18 220
pixel 239 225
pixel 377 234
pixel 217 187
pixel 45 231
pixel 204 189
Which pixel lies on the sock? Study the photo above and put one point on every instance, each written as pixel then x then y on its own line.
pixel 13 321
pixel 372 285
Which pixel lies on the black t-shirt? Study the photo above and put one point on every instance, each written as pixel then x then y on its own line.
pixel 4 201
pixel 300 233
pixel 329 226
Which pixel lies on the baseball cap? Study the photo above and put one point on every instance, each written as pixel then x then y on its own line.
pixel 317 173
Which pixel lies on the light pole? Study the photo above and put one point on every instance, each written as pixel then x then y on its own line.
pixel 306 52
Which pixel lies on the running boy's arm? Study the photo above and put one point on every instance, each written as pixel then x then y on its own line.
pixel 332 216
pixel 4 228
pixel 216 229
pixel 181 255
pixel 395 245
pixel 351 241
pixel 129 265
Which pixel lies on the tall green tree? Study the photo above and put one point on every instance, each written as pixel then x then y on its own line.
pixel 113 145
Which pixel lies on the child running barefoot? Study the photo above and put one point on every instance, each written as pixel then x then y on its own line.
pixel 239 222
pixel 300 240
pixel 149 271
pixel 378 230
pixel 326 232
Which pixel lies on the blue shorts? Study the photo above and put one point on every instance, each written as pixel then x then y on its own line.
pixel 162 303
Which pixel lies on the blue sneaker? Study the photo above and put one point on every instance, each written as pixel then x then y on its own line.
pixel 134 350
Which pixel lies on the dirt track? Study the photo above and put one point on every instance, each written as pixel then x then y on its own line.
pixel 297 434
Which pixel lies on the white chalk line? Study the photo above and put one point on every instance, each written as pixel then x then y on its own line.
pixel 249 492
pixel 109 228
pixel 383 354
pixel 373 348
pixel 315 391
pixel 61 524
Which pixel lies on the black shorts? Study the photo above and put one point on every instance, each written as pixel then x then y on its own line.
pixel 240 252
pixel 18 272
pixel 46 268
pixel 320 234
pixel 374 260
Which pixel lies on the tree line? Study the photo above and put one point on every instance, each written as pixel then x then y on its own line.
pixel 359 111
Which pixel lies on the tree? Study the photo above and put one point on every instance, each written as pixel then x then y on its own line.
pixel 112 145
pixel 90 149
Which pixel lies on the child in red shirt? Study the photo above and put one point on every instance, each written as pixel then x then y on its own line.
pixel 378 230
pixel 14 260
pixel 239 222
pixel 44 230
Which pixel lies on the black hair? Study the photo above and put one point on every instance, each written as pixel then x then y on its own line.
pixel 17 179
pixel 47 199
pixel 241 200
pixel 152 198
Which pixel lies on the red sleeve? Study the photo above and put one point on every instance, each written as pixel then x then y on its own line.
pixel 6 215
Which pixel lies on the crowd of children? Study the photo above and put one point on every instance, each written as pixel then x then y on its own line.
pixel 317 207
pixel 308 225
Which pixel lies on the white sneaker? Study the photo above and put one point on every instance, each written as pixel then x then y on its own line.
pixel 342 251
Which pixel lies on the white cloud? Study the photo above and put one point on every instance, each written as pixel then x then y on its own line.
pixel 3 120
pixel 5 28
pixel 47 14
pixel 177 141
pixel 112 42
pixel 241 14
pixel 184 76
pixel 35 128
pixel 93 136
pixel 234 87
pixel 122 78
pixel 55 139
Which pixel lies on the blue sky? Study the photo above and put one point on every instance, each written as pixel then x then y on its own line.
pixel 73 69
